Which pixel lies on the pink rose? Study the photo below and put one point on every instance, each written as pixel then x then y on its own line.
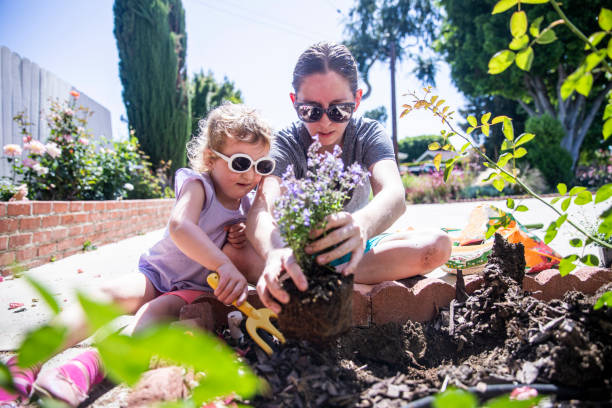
pixel 30 163
pixel 12 150
pixel 53 150
pixel 35 147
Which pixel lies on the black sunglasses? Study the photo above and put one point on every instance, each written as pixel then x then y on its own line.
pixel 241 163
pixel 336 112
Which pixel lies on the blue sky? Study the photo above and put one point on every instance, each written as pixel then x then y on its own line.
pixel 255 44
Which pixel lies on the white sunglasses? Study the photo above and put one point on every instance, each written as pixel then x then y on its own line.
pixel 241 163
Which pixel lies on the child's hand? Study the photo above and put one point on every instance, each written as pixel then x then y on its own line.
pixel 236 235
pixel 232 285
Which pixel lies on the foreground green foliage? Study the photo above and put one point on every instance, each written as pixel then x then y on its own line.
pixel 126 358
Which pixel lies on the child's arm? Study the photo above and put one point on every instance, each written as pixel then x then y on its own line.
pixel 236 234
pixel 194 243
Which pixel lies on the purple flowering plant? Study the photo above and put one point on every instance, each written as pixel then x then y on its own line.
pixel 307 201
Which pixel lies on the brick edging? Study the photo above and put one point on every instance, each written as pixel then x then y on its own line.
pixel 33 233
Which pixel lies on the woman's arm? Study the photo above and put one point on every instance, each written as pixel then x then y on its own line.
pixel 265 237
pixel 194 243
pixel 352 231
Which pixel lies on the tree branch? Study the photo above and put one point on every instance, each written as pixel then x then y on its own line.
pixel 529 111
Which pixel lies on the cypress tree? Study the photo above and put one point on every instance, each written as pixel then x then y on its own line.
pixel 152 44
pixel 207 94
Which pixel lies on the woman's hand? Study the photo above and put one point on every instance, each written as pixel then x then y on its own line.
pixel 268 286
pixel 232 285
pixel 345 231
pixel 236 235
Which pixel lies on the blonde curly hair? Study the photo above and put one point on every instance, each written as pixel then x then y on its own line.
pixel 233 121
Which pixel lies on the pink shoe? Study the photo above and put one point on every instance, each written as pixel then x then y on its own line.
pixel 72 381
pixel 23 379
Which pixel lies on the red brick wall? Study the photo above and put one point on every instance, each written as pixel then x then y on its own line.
pixel 31 233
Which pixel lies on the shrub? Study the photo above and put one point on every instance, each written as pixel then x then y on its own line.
pixel 72 167
pixel 598 172
pixel 431 188
pixel 415 146
pixel 545 151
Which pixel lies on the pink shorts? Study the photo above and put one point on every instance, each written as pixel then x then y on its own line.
pixel 188 295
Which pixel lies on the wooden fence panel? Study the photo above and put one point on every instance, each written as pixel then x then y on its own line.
pixel 25 86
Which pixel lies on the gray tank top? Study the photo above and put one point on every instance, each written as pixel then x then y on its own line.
pixel 164 263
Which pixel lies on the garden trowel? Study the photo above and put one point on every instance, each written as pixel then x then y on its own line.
pixel 257 318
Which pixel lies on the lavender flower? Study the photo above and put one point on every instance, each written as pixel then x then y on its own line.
pixel 306 202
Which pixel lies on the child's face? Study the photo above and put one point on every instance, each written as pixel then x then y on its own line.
pixel 230 186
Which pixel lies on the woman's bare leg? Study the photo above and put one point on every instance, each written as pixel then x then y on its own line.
pixel 402 255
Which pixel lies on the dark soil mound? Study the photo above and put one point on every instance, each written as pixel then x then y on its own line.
pixel 499 335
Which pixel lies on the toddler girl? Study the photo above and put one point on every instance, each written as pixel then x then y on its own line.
pixel 205 233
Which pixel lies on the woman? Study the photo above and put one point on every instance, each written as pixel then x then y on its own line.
pixel 325 97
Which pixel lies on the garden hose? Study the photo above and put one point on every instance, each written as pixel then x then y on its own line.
pixel 494 390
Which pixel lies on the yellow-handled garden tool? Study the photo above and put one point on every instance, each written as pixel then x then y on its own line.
pixel 257 318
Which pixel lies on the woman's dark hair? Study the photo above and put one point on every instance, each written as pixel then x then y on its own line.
pixel 324 57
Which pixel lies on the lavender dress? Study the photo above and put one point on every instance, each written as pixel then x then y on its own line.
pixel 165 265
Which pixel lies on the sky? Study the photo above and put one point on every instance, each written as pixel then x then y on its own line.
pixel 254 44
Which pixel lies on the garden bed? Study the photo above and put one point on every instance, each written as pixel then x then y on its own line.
pixel 497 337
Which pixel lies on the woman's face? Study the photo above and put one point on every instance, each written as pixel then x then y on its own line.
pixel 326 89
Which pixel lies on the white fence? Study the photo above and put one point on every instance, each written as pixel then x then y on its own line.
pixel 24 86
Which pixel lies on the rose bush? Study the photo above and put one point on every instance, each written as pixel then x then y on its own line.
pixel 72 166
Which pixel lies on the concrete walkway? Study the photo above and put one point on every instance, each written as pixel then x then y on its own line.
pixel 87 270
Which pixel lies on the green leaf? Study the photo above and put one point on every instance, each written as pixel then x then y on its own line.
pixel 498 183
pixel 608 110
pixel 472 121
pixel 508 129
pixel 566 203
pixel 524 138
pixel 583 197
pixel 521 208
pixel 448 168
pixel 124 358
pixel 40 345
pixel 551 232
pixel 437 160
pixel 45 294
pixel 491 230
pixel 534 1
pixel 575 242
pixel 455 398
pixel 554 200
pixel 605 299
pixel 503 159
pixel 98 314
pixel 485 129
pixel 559 221
pixel 489 177
pixel 485 117
pixel 562 188
pixel 6 379
pixel 568 86
pixel 590 260
pixel 595 39
pixel 507 145
pixel 604 19
pixel 594 59
pixel 566 266
pixel 534 29
pixel 609 49
pixel 603 193
pixel 500 61
pixel 575 190
pixel 499 119
pixel 507 177
pixel 520 152
pixel 510 203
pixel 504 5
pixel 607 129
pixel 524 59
pixel 469 130
pixel 519 43
pixel 505 401
pixel 518 23
pixel 546 37
pixel 584 84
pixel 434 146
